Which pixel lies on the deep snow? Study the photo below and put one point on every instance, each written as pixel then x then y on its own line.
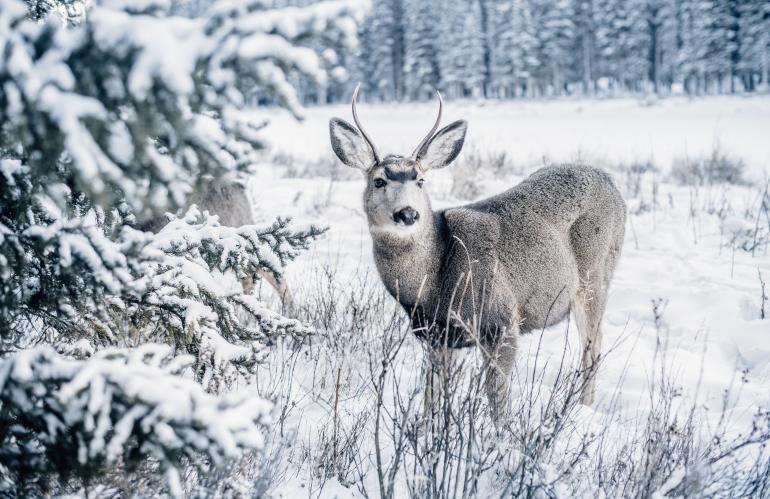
pixel 710 337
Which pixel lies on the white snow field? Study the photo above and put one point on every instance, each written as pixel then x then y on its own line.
pixel 685 304
pixel 558 130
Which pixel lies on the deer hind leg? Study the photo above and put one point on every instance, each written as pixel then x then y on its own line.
pixel 279 284
pixel 500 359
pixel 596 240
pixel 588 309
pixel 248 284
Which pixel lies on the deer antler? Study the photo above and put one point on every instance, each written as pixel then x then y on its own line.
pixel 361 128
pixel 432 130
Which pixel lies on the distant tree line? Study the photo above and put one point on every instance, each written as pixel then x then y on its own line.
pixel 541 48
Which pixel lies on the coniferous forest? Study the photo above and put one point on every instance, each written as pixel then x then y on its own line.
pixel 542 48
pixel 506 49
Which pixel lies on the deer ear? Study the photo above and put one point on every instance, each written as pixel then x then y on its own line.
pixel 444 147
pixel 349 145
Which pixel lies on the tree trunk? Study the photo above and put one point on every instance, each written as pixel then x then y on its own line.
pixel 487 77
pixel 735 53
pixel 764 63
pixel 654 25
pixel 587 29
pixel 654 56
pixel 398 50
pixel 586 64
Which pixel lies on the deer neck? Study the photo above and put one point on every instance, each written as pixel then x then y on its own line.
pixel 409 265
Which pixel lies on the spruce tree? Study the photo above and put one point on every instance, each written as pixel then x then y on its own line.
pixel 585 31
pixel 120 346
pixel 754 44
pixel 556 42
pixel 461 58
pixel 514 52
pixel 381 55
pixel 525 48
pixel 503 41
pixel 715 35
pixel 422 46
pixel 690 68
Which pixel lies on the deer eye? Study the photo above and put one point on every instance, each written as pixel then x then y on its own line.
pixel 379 183
pixel 420 182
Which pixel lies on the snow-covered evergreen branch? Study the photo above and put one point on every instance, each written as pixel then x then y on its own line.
pixel 107 121
pixel 133 105
pixel 120 407
pixel 181 302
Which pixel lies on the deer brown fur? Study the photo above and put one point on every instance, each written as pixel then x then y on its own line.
pixel 484 273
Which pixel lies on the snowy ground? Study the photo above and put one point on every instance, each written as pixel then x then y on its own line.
pixel 681 251
pixel 561 130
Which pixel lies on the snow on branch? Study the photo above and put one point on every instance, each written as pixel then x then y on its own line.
pixel 119 407
pixel 106 121
pixel 116 119
pixel 271 36
pixel 133 105
pixel 246 249
pixel 200 314
pixel 166 291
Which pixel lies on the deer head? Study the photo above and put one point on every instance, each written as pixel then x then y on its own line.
pixel 394 199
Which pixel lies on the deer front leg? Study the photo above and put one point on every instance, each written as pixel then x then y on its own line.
pixel 438 371
pixel 500 359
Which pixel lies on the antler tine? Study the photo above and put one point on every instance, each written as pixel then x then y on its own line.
pixel 361 128
pixel 432 130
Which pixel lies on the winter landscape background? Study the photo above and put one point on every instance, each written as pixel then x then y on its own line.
pixel 135 364
pixel 546 48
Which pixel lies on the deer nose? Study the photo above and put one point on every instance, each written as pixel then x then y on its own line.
pixel 407 215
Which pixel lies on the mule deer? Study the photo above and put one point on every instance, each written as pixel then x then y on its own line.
pixel 491 270
pixel 229 201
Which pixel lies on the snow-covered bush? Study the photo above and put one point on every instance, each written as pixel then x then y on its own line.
pixel 717 167
pixel 368 432
pixel 475 171
pixel 120 406
pixel 107 121
pixel 198 312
